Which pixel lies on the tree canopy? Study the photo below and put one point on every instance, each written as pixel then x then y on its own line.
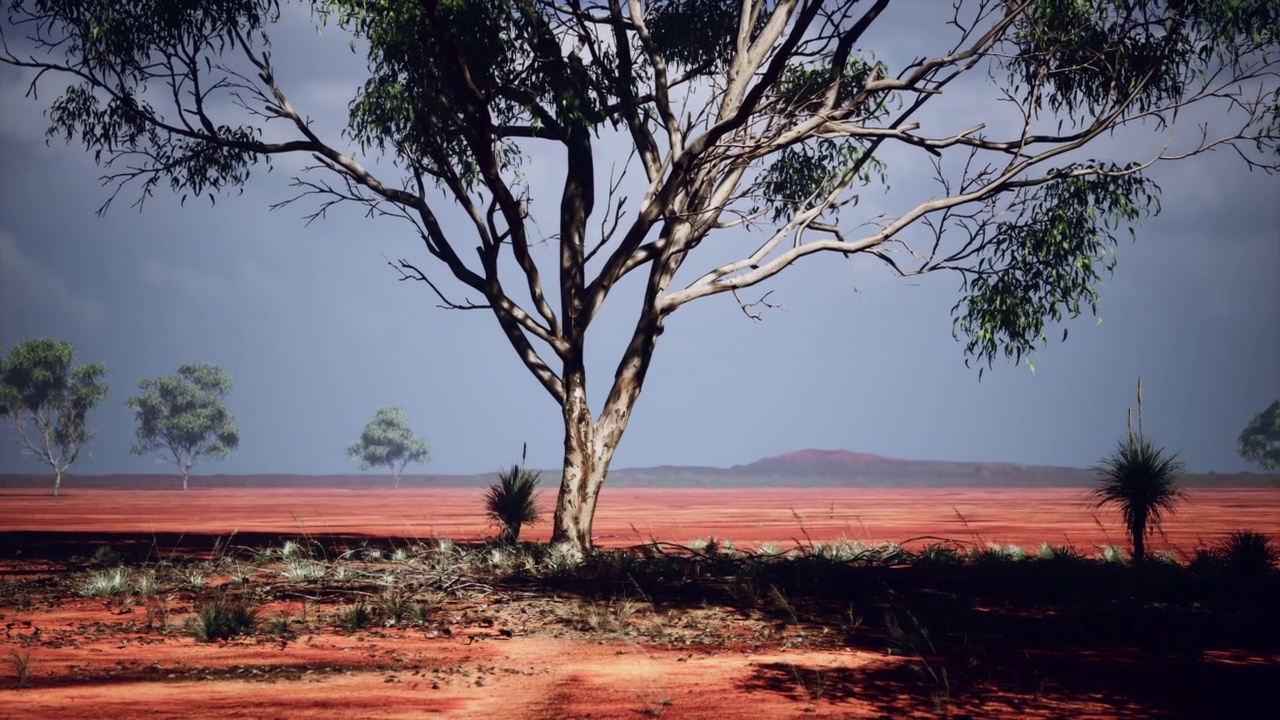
pixel 1260 439
pixel 388 441
pixel 183 418
pixel 762 128
pixel 47 399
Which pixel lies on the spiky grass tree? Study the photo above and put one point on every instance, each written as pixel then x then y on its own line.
pixel 1141 480
pixel 511 503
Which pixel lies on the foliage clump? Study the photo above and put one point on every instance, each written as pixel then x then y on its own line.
pixel 512 502
pixel 222 618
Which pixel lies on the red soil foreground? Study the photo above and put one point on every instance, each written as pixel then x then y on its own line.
pixel 631 516
pixel 508 654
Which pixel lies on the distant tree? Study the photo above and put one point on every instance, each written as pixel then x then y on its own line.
pixel 1260 440
pixel 183 417
pixel 511 503
pixel 756 135
pixel 388 441
pixel 46 400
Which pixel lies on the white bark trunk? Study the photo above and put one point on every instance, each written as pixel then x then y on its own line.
pixel 588 450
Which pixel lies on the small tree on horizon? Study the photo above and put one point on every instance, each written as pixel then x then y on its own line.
pixel 183 417
pixel 388 441
pixel 39 386
pixel 1260 439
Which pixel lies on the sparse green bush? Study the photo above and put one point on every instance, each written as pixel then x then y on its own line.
pixel 222 618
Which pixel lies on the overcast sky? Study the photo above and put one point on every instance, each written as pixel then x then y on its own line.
pixel 318 334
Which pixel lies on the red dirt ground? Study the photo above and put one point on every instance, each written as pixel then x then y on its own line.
pixel 631 516
pixel 90 661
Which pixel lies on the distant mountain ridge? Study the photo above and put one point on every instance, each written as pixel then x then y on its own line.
pixel 802 468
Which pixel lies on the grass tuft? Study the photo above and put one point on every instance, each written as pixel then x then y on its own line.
pixel 223 618
pixel 106 583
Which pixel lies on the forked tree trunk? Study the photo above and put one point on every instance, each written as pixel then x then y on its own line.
pixel 588 450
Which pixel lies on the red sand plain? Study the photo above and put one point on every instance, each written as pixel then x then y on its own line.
pixel 92 661
pixel 631 516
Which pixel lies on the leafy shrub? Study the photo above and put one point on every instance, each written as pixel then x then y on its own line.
pixel 222 618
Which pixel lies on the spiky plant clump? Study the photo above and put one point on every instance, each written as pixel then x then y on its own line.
pixel 302 571
pixel 223 618
pixel 106 583
pixel 1247 553
pixel 105 555
pixel 938 554
pixel 1141 480
pixel 401 556
pixel 355 617
pixel 146 584
pixel 292 550
pixel 511 503
pixel 1111 554
pixel 768 549
pixel 1056 552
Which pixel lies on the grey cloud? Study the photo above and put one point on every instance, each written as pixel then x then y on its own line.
pixel 30 289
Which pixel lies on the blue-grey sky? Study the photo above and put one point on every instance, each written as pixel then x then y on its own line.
pixel 318 333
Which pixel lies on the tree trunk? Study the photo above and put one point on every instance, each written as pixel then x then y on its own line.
pixel 185 476
pixel 57 481
pixel 1139 541
pixel 588 450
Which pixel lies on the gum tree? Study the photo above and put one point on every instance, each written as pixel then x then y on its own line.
pixel 1260 439
pixel 47 399
pixel 759 129
pixel 388 441
pixel 183 418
